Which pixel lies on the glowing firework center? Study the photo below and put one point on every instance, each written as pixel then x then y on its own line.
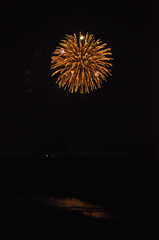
pixel 84 64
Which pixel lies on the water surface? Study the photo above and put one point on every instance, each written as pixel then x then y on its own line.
pixel 66 204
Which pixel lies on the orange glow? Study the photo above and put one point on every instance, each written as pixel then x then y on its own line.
pixel 74 204
pixel 85 208
pixel 81 65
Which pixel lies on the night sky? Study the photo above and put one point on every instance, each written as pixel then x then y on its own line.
pixel 36 115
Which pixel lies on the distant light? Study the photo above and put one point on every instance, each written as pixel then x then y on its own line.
pixel 47 155
pixel 81 37
pixel 27 72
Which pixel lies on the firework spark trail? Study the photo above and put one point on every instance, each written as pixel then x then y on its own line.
pixel 81 65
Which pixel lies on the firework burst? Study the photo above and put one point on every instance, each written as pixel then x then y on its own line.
pixel 82 64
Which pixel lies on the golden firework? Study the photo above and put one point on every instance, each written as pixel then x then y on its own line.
pixel 81 65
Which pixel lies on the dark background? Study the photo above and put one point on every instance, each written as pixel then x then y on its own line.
pixel 36 115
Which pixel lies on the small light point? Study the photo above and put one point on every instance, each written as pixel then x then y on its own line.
pixel 81 37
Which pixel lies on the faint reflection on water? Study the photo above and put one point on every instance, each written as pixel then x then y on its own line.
pixel 68 204
pixel 77 205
